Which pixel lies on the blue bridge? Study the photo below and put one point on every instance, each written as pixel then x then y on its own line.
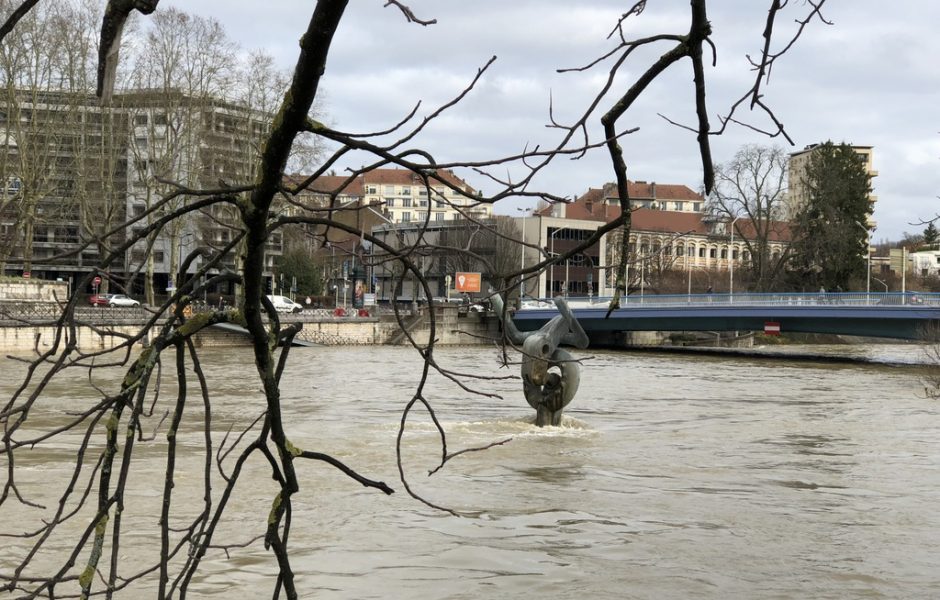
pixel 909 316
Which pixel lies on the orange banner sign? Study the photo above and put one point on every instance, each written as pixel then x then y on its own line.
pixel 467 282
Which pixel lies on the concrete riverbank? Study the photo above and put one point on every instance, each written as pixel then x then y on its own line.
pixel 26 329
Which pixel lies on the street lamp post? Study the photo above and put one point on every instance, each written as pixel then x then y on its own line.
pixel 868 234
pixel 551 270
pixel 731 262
pixel 522 257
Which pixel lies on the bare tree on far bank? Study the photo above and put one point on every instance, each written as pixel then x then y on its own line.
pixel 91 509
pixel 750 192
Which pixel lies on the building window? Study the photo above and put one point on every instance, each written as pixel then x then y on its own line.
pixel 389 190
pixel 734 255
pixel 724 253
pixel 406 191
pixel 406 217
pixel 440 204
pixel 406 202
pixel 372 189
pixel 423 192
pixel 713 253
pixel 140 119
pixel 697 206
pixel 390 202
pixel 679 206
pixel 422 202
pixel 439 216
pixel 139 209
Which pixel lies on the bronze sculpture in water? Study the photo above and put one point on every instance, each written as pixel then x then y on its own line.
pixel 550 375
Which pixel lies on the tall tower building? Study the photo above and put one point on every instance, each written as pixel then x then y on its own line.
pixel 797 194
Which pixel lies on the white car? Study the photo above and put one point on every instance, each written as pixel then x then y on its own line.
pixel 122 300
pixel 285 304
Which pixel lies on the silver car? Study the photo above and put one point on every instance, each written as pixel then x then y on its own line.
pixel 122 300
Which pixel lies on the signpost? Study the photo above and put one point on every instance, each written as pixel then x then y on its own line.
pixel 96 282
pixel 771 328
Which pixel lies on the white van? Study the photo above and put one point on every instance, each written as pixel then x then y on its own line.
pixel 285 304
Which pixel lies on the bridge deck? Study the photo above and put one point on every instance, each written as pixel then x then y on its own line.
pixel 901 316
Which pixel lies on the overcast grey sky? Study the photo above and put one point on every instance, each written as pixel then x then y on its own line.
pixel 869 79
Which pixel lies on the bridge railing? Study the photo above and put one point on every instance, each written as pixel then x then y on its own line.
pixel 892 299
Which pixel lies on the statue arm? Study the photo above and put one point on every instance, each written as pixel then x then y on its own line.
pixel 514 335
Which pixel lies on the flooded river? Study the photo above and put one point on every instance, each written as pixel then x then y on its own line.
pixel 673 476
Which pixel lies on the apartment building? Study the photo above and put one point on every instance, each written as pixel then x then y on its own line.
pixel 75 171
pixel 405 197
pixel 64 167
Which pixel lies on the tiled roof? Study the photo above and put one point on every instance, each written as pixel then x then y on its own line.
pixel 592 207
pixel 405 177
pixel 655 191
pixel 330 183
pixel 327 184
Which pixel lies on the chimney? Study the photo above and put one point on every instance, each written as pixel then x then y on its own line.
pixel 653 189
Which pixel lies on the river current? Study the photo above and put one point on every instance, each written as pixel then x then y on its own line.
pixel 672 476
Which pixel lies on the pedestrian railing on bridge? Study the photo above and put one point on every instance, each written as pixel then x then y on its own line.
pixel 886 299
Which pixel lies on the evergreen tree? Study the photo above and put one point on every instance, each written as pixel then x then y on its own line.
pixel 931 235
pixel 829 247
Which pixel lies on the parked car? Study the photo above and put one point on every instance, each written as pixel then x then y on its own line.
pixel 285 304
pixel 121 300
pixel 100 299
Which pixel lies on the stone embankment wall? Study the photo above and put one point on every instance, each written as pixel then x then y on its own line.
pixel 16 337
pixel 29 290
pixel 27 339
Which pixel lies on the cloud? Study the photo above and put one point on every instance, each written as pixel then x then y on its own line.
pixel 869 79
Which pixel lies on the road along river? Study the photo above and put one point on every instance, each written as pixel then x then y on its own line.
pixel 673 476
